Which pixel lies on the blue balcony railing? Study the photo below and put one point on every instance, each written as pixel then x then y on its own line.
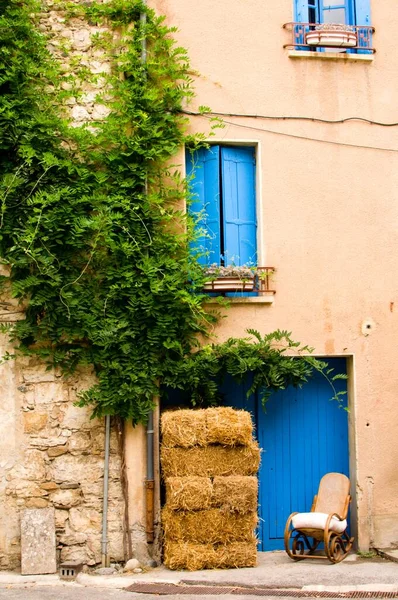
pixel 316 36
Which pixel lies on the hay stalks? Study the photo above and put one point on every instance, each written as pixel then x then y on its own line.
pixel 210 461
pixel 212 526
pixel 184 428
pixel 189 493
pixel 194 557
pixel 228 427
pixel 235 494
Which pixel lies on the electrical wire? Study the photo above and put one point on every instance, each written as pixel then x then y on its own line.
pixel 300 137
pixel 292 118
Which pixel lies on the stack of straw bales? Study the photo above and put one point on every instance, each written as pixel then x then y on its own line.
pixel 209 462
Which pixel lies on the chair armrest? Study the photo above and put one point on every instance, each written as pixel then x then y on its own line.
pixel 328 520
pixel 289 520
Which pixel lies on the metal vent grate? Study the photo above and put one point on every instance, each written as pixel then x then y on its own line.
pixel 168 589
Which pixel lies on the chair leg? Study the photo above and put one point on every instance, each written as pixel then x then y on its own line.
pixel 297 550
pixel 298 544
pixel 337 546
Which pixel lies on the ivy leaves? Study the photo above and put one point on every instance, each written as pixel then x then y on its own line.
pixel 273 362
pixel 89 245
pixel 92 229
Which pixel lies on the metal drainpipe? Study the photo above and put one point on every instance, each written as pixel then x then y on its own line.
pixel 150 482
pixel 105 560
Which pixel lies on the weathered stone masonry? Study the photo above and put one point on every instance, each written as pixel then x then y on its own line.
pixel 51 452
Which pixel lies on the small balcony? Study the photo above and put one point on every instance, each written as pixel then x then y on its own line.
pixel 258 282
pixel 317 36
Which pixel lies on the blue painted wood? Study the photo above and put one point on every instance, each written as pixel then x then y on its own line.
pixel 363 17
pixel 303 435
pixel 203 173
pixel 301 11
pixel 239 205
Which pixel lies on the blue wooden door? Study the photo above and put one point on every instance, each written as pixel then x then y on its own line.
pixel 303 435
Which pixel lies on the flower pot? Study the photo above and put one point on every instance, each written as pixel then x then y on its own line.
pixel 332 34
pixel 229 284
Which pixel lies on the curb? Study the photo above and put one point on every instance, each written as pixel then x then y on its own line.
pixel 125 581
pixel 387 554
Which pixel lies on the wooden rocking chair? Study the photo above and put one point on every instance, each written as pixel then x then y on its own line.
pixel 325 523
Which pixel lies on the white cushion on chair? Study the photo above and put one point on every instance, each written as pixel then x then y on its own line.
pixel 315 520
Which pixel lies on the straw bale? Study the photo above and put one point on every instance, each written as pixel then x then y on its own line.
pixel 184 428
pixel 187 556
pixel 235 494
pixel 194 557
pixel 229 427
pixel 188 493
pixel 233 556
pixel 212 526
pixel 211 461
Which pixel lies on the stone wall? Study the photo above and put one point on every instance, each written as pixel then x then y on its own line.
pixel 51 452
pixel 56 459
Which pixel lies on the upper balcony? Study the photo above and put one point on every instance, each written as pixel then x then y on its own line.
pixel 319 37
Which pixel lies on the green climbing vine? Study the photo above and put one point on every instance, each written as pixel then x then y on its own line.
pixel 93 230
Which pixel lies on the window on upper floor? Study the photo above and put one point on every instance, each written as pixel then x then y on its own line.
pixel 222 182
pixel 342 25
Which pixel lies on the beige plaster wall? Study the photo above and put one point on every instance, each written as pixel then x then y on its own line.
pixel 328 212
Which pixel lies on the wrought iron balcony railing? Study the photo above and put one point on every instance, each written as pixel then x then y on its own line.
pixel 311 36
pixel 259 283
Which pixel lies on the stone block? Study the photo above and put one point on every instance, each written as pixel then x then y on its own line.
pixel 78 418
pixel 38 554
pixel 82 39
pixel 79 113
pixel 72 539
pixel 57 451
pixel 37 374
pixel 48 393
pixel 49 485
pixel 47 442
pixel 85 520
pixel 33 421
pixel 100 112
pixel 36 503
pixel 75 553
pixel 74 469
pixel 27 489
pixel 33 467
pixel 66 498
pixel 61 517
pixel 79 442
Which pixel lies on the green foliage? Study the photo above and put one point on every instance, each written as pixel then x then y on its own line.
pixel 91 226
pixel 274 361
pixel 108 282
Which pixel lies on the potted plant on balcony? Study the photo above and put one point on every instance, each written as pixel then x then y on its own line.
pixel 229 278
pixel 332 34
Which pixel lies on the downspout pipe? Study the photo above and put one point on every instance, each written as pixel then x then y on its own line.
pixel 150 479
pixel 150 482
pixel 105 560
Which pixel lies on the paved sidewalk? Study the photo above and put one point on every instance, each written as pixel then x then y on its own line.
pixel 274 570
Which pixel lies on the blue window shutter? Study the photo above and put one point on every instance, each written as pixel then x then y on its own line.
pixel 203 173
pixel 362 17
pixel 300 16
pixel 239 205
pixel 362 10
pixel 301 11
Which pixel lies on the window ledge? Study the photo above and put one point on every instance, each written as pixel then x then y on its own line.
pixel 265 299
pixel 331 56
